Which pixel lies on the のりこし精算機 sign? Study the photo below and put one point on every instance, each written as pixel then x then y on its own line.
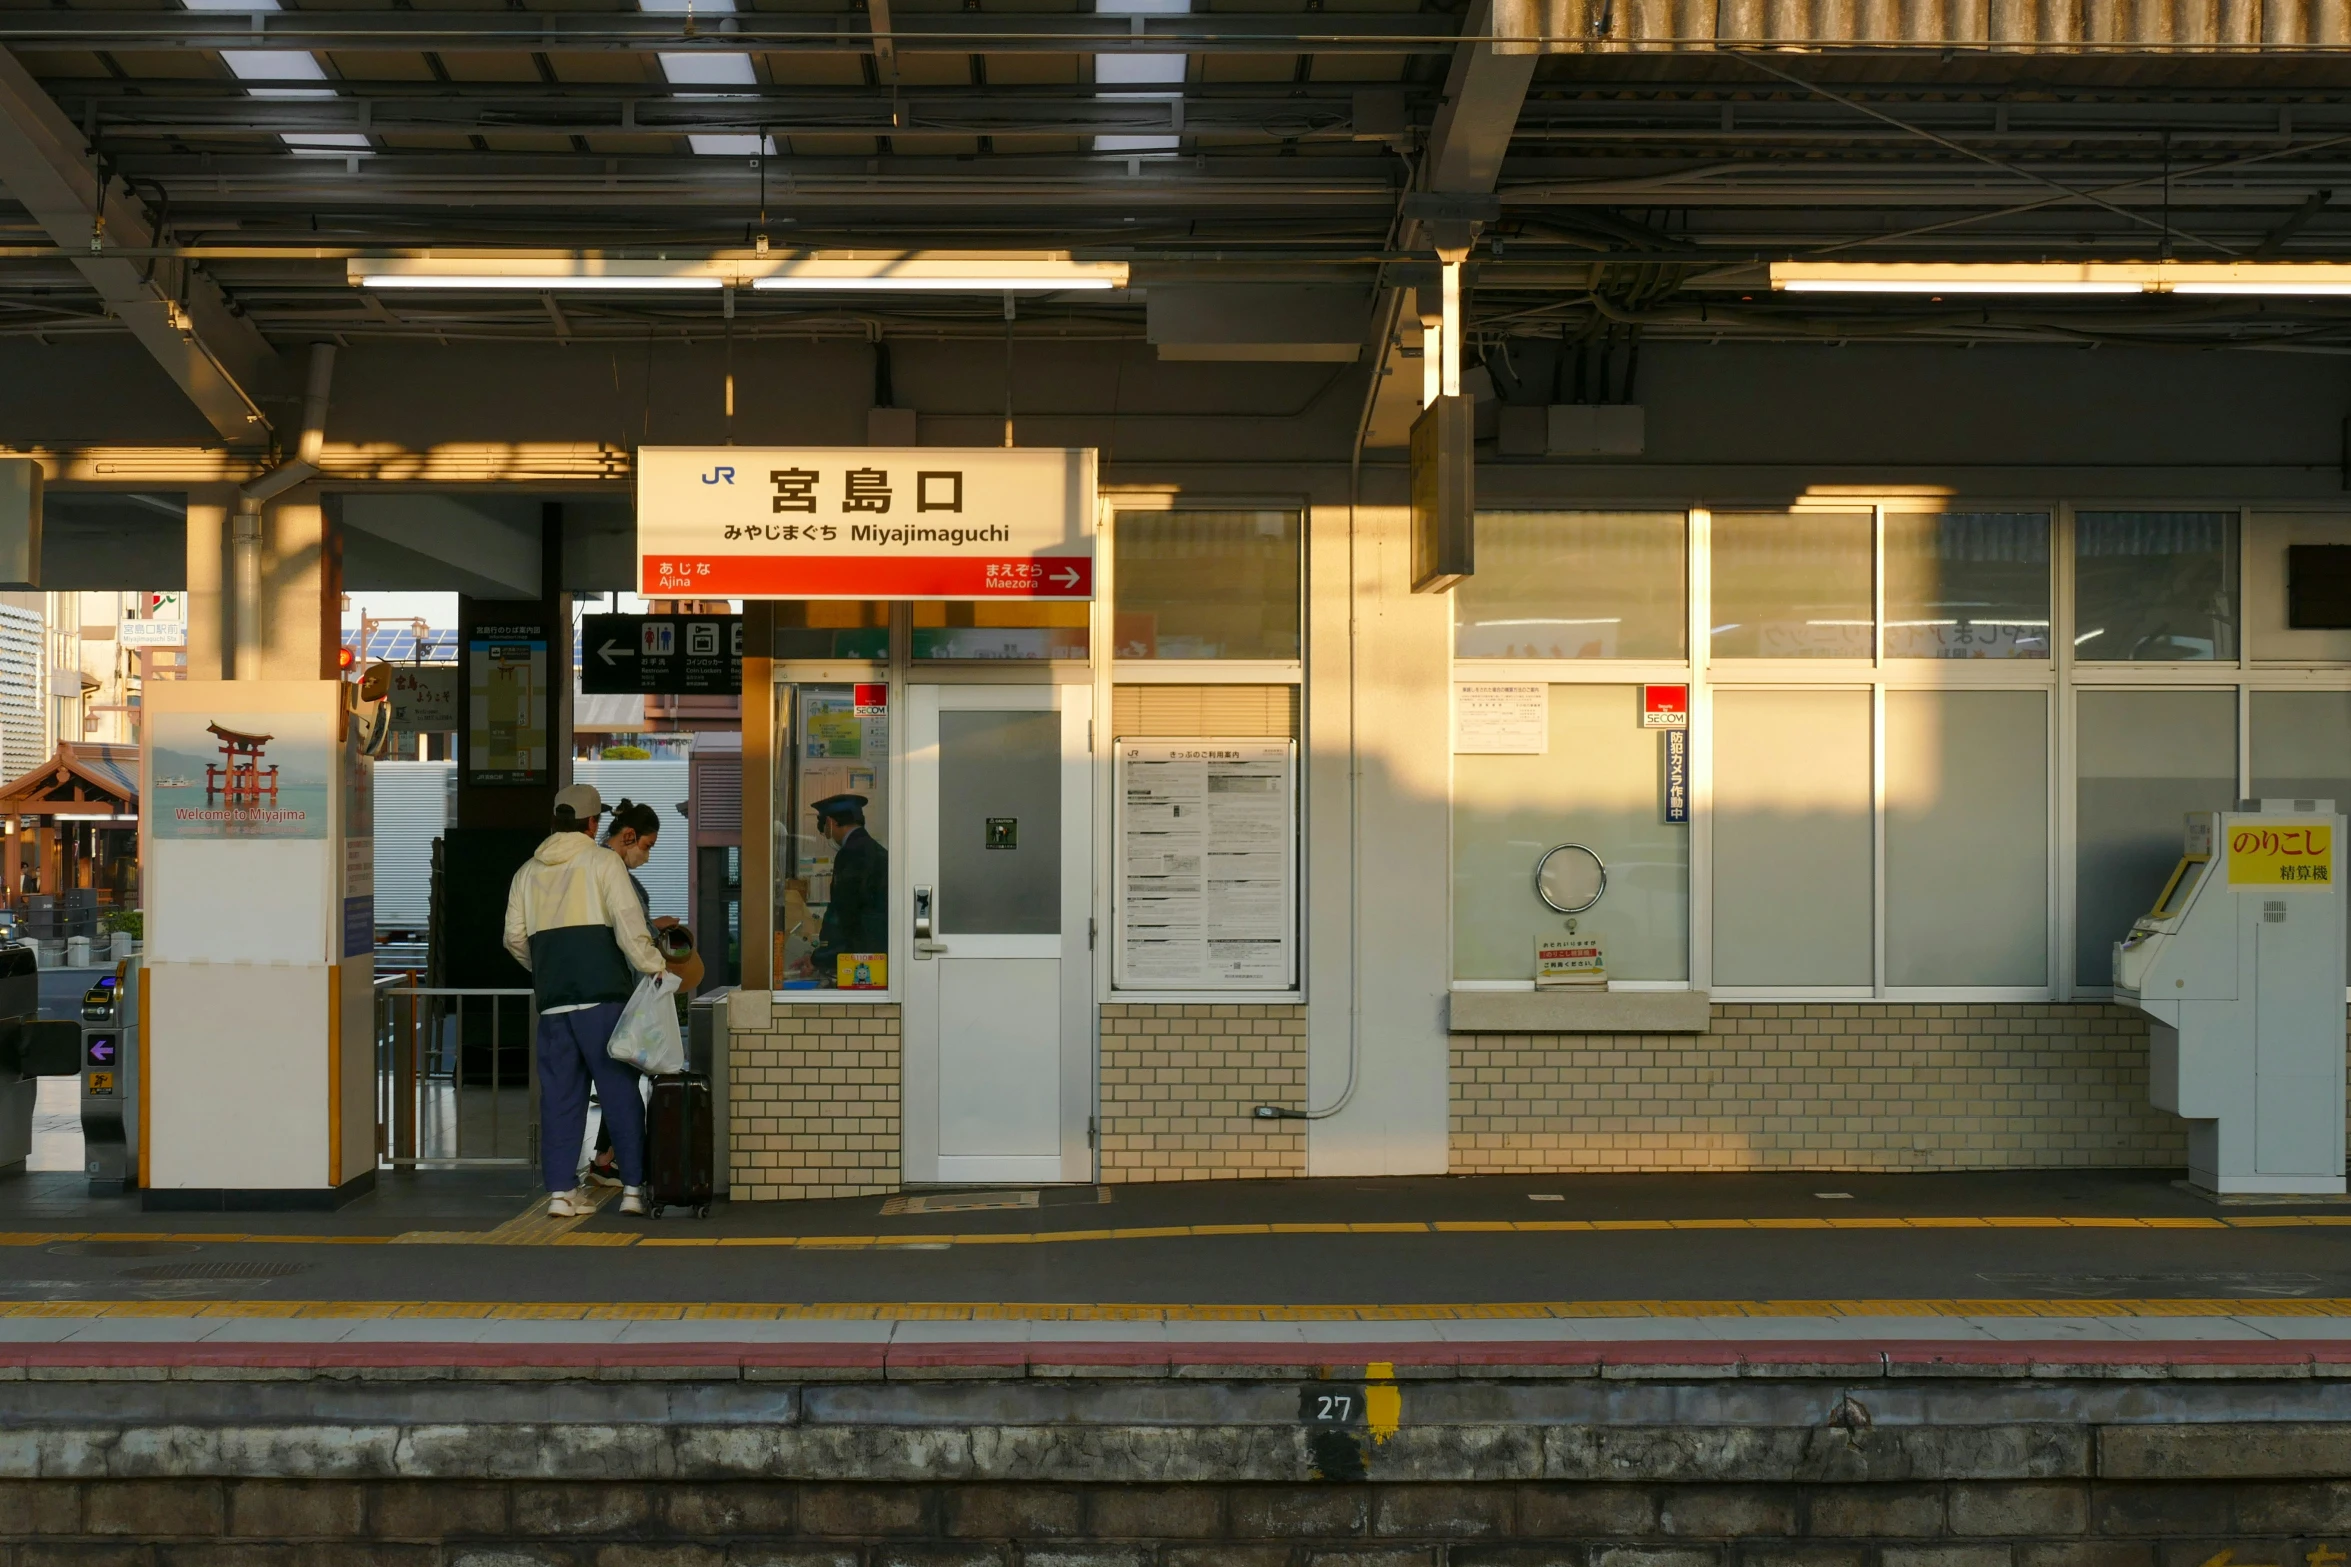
pixel 865 522
pixel 2281 854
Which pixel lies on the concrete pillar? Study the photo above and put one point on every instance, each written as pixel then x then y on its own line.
pixel 211 631
pixel 256 1062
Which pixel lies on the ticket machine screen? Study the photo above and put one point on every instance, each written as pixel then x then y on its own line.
pixel 2180 888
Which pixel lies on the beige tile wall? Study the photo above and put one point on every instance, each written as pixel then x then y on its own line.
pixel 1819 1086
pixel 1178 1085
pixel 813 1103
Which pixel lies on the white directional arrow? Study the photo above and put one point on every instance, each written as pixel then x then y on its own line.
pixel 609 651
pixel 1068 577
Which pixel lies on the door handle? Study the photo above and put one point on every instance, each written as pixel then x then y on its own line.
pixel 924 947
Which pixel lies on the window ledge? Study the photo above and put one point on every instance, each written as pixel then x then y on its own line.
pixel 1578 1012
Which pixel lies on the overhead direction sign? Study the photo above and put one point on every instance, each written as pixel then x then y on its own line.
pixel 664 655
pixel 865 522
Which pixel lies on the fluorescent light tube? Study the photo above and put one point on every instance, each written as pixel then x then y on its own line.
pixel 1952 285
pixel 540 283
pixel 936 285
pixel 2283 286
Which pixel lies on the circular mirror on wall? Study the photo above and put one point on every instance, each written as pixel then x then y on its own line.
pixel 1570 878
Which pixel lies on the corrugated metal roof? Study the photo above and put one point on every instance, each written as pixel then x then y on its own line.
pixel 2010 26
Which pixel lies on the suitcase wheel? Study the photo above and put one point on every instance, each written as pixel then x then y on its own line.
pixel 702 1212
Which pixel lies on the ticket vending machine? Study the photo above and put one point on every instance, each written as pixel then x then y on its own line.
pixel 110 1084
pixel 2240 964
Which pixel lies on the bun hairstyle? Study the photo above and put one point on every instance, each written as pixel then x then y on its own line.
pixel 645 820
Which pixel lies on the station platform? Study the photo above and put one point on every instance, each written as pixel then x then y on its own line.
pixel 1743 1265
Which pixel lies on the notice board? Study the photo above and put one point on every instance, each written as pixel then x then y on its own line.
pixel 1207 865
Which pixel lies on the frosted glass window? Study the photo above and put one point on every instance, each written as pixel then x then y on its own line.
pixel 1967 584
pixel 2155 585
pixel 832 628
pixel 1207 584
pixel 1967 838
pixel 984 630
pixel 2144 759
pixel 1793 868
pixel 1601 785
pixel 2301 744
pixel 999 823
pixel 1793 585
pixel 1575 584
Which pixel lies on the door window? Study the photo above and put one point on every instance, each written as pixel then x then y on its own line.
pixel 999 823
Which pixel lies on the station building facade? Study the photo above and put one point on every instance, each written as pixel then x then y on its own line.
pixel 1963 634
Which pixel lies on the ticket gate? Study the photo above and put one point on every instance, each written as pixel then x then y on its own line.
pixel 2241 965
pixel 29 1051
pixel 110 1083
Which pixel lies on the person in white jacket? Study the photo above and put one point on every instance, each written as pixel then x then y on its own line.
pixel 573 920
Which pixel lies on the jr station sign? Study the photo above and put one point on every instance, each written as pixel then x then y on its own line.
pixel 865 522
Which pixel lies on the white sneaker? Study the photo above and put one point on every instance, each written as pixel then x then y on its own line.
pixel 632 1201
pixel 569 1205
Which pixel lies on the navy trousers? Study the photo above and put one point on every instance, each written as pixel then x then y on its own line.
pixel 571 1056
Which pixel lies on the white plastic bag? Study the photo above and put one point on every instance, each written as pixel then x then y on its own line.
pixel 647 1036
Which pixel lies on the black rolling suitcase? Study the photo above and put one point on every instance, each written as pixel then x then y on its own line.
pixel 678 1167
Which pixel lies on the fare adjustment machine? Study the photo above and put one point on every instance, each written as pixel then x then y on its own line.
pixel 2240 963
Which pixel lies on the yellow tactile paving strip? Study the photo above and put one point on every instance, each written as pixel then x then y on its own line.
pixel 533 1228
pixel 1014 1311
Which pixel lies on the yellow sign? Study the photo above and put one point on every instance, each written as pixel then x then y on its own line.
pixel 101 1082
pixel 862 971
pixel 2281 854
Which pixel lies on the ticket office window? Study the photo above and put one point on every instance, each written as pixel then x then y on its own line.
pixel 1208 584
pixel 1599 783
pixel 832 824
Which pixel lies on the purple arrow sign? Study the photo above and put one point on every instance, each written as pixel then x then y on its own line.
pixel 102 1052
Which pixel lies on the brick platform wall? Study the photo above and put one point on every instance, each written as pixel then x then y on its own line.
pixel 813 1103
pixel 631 1523
pixel 1178 1085
pixel 1819 1086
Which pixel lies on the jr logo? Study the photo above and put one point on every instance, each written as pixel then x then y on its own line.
pixel 719 476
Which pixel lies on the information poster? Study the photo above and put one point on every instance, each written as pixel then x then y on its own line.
pixel 1207 865
pixel 1492 719
pixel 507 699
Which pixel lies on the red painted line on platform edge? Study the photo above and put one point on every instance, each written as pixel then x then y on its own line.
pixel 1308 1359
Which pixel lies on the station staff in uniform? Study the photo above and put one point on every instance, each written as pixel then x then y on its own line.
pixel 858 918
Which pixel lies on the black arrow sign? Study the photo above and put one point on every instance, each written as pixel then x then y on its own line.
pixel 665 655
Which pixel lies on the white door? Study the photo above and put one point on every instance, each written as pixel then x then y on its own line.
pixel 999 998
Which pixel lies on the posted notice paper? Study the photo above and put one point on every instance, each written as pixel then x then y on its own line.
pixel 1207 858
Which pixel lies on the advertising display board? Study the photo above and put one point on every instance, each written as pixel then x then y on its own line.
pixel 865 522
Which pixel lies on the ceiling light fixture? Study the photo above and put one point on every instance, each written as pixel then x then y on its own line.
pixel 2272 278
pixel 844 271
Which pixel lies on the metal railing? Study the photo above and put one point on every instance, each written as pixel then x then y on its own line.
pixel 457 1076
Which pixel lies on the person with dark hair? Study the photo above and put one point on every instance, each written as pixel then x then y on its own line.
pixel 573 920
pixel 857 919
pixel 631 835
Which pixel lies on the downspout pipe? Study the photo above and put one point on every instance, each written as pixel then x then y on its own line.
pixel 245 586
